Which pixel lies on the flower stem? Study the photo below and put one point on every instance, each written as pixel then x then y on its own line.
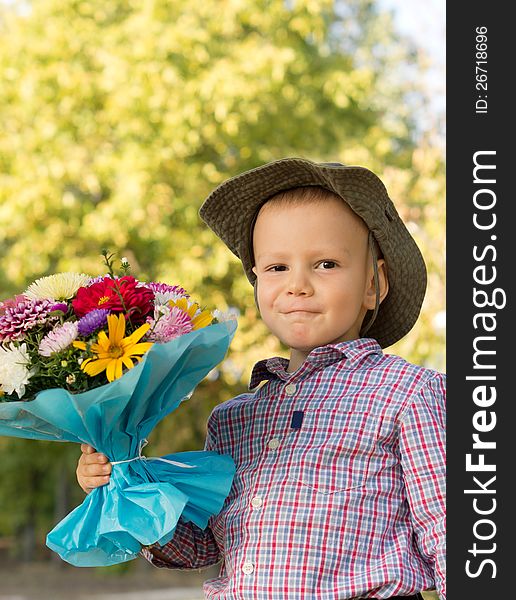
pixel 108 260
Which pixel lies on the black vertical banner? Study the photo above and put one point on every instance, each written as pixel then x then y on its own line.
pixel 481 269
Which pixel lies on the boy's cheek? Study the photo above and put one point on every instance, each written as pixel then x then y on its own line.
pixel 268 284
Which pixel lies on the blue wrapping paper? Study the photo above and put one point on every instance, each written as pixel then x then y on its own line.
pixel 145 497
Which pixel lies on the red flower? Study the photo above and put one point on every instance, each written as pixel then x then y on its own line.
pixel 122 295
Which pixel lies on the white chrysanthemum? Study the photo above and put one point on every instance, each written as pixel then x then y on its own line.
pixel 14 369
pixel 160 310
pixel 58 339
pixel 161 298
pixel 231 314
pixel 61 286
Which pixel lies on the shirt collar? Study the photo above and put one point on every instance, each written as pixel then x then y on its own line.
pixel 319 358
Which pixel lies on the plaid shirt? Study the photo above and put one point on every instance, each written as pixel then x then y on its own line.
pixel 348 503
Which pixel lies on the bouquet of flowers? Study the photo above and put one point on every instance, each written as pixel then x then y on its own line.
pixel 101 360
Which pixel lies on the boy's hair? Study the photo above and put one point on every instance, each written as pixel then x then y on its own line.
pixel 313 194
pixel 302 195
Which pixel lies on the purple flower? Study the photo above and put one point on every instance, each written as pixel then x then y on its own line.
pixel 92 321
pixel 18 319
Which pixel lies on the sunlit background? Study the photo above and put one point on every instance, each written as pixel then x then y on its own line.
pixel 118 119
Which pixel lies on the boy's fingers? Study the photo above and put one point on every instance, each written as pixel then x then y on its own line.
pixel 93 469
pixel 96 470
pixel 96 458
pixel 90 483
pixel 90 455
pixel 93 459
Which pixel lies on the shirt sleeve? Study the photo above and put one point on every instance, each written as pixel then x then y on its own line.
pixel 423 458
pixel 191 547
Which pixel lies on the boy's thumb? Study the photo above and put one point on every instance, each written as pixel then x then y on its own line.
pixel 87 449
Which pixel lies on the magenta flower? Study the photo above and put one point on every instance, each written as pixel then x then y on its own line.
pixel 62 306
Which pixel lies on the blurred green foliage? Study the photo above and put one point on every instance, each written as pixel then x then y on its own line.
pixel 118 119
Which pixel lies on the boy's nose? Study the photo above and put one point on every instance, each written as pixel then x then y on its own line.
pixel 299 284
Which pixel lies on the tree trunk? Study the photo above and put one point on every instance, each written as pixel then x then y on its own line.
pixel 28 540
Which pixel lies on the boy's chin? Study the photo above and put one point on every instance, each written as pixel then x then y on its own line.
pixel 305 341
pixel 304 347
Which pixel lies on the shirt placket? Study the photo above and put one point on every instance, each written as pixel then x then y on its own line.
pixel 259 500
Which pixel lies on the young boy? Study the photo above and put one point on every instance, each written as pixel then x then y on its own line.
pixel 340 482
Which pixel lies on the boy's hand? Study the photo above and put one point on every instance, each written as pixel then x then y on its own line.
pixel 93 469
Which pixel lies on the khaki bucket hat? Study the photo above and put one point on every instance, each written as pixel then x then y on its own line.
pixel 231 210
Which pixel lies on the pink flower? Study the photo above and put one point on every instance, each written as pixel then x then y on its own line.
pixel 170 325
pixel 164 288
pixel 23 316
pixel 11 303
pixel 58 339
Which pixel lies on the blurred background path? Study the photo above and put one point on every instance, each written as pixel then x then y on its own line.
pixel 54 581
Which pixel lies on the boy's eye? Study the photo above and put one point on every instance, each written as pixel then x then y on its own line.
pixel 277 268
pixel 328 264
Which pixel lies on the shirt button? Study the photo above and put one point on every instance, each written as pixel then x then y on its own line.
pixel 256 502
pixel 290 389
pixel 248 568
pixel 273 444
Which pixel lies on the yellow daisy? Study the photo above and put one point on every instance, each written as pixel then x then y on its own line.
pixel 202 319
pixel 115 352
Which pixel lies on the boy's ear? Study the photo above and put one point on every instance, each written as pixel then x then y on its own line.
pixel 255 271
pixel 256 295
pixel 383 285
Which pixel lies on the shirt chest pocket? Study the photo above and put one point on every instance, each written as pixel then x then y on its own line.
pixel 333 449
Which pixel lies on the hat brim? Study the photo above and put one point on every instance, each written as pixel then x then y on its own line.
pixel 231 210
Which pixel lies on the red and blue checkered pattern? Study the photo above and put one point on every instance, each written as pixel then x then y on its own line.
pixel 351 504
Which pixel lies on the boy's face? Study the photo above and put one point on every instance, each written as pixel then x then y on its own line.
pixel 314 272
